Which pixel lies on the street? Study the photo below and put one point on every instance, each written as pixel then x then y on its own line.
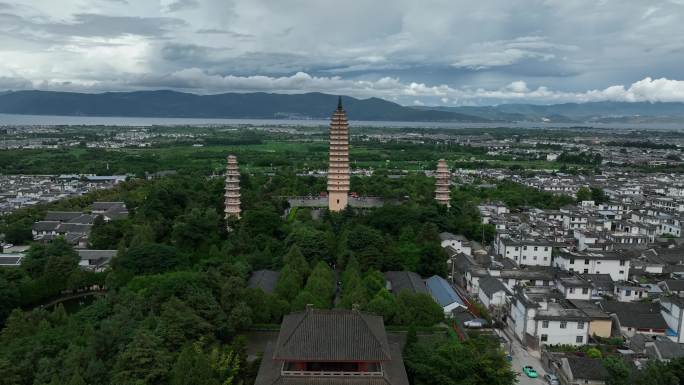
pixel 522 357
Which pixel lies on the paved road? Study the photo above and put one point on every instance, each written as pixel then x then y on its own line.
pixel 522 357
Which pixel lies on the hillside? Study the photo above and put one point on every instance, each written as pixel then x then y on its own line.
pixel 228 105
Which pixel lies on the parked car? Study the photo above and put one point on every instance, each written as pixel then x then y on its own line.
pixel 530 372
pixel 475 323
pixel 551 379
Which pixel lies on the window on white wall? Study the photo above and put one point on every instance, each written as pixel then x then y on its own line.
pixel 564 324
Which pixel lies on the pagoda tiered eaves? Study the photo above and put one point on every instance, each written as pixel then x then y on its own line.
pixel 442 183
pixel 232 189
pixel 338 157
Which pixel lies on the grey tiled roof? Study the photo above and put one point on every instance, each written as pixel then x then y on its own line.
pixel 675 284
pixel 104 206
pixel 46 226
pixel 61 216
pixel 10 260
pixel 86 219
pixel 405 280
pixel 491 285
pixel 96 254
pixel 635 314
pixel 265 280
pixel 587 368
pixel 332 335
pixel 669 349
pixel 394 373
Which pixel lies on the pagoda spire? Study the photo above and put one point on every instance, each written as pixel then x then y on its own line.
pixel 232 189
pixel 442 184
pixel 338 160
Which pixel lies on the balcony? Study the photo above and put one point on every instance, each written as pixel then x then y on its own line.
pixel 332 369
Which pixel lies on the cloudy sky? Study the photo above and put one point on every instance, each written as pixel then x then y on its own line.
pixel 414 52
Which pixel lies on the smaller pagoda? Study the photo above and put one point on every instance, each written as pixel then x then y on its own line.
pixel 442 184
pixel 232 195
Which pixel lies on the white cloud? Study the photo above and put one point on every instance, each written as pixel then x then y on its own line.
pixel 390 88
pixel 500 53
pixel 518 86
pixel 645 90
pixel 488 52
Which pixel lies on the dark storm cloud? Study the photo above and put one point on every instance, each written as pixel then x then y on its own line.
pixel 433 51
pixel 88 24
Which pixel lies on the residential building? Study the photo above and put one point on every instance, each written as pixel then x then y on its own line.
pixel 614 263
pixel 629 291
pixel 95 260
pixel 493 293
pixel 636 317
pixel 442 292
pixel 574 370
pixel 672 310
pixel 530 252
pixel 398 281
pixel 541 316
pixel 574 287
pixel 459 243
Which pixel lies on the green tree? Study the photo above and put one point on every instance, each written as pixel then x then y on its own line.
pixel 297 261
pixel 196 229
pixel 367 245
pixel 10 297
pixel 226 363
pixel 10 375
pixel 383 304
pixel 659 372
pixel 19 232
pixel 583 194
pixel 618 372
pixel 76 379
pixel 107 235
pixel 142 362
pixel 598 195
pixel 353 288
pixel 192 367
pixel 594 353
pixel 150 259
pixel 312 243
pixel 417 309
pixel 321 284
pixel 450 362
pixel 290 283
pixel 179 323
pixel 306 298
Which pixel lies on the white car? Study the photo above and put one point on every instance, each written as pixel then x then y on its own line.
pixel 551 379
pixel 475 323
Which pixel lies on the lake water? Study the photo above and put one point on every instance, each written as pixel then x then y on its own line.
pixel 49 120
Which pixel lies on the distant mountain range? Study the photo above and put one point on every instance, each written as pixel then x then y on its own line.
pixel 261 105
pixel 600 112
pixel 230 105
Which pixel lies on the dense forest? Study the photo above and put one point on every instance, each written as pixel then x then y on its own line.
pixel 177 302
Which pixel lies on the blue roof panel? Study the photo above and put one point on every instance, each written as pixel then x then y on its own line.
pixel 442 292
